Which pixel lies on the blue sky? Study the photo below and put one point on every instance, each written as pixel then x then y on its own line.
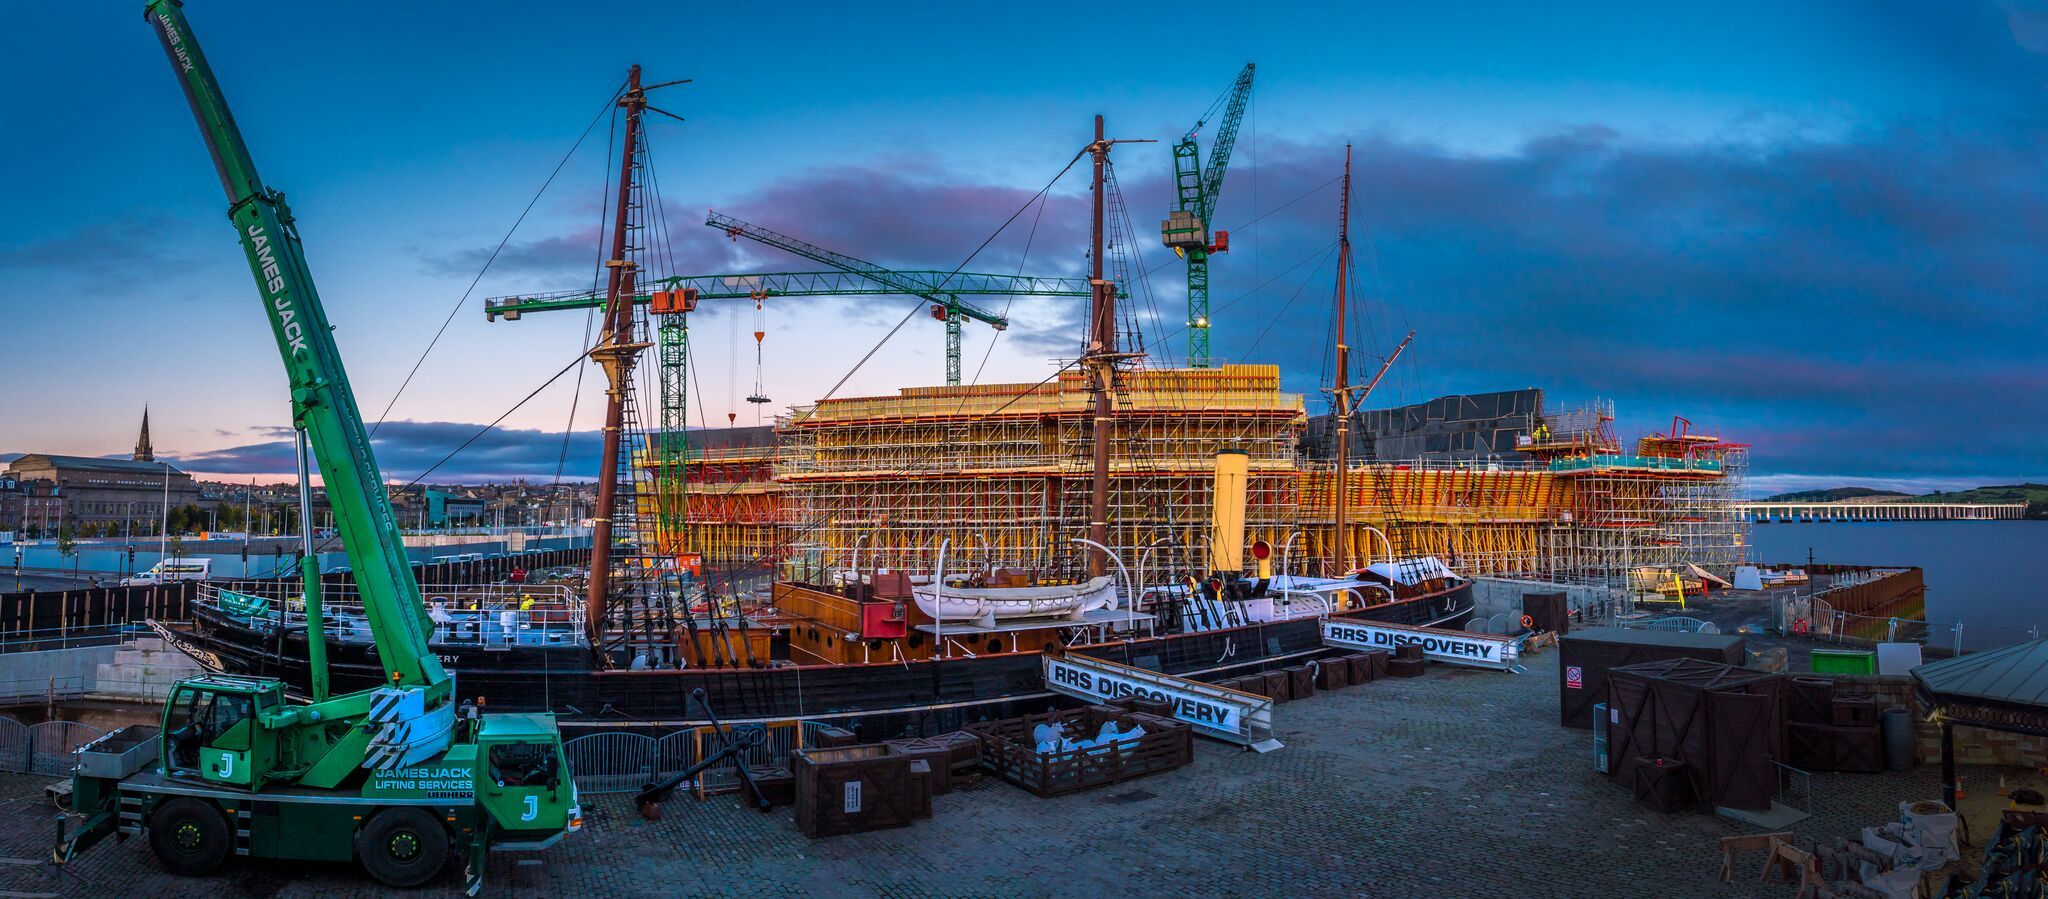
pixel 1815 227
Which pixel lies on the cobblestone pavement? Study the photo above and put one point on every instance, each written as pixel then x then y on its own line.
pixel 1459 783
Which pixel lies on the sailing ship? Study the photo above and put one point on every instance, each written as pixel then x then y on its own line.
pixel 886 651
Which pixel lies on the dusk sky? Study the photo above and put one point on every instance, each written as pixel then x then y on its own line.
pixel 1820 228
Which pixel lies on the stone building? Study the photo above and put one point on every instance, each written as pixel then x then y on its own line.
pixel 29 508
pixel 103 494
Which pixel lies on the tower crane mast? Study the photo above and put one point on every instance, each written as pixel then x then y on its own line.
pixel 1186 229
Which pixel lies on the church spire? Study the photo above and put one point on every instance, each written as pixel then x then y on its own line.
pixel 143 451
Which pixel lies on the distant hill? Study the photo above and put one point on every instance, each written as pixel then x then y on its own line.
pixel 2008 493
pixel 2034 495
pixel 1833 494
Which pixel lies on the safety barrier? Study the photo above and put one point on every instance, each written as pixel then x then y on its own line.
pixel 42 748
pixel 623 762
pixel 1680 623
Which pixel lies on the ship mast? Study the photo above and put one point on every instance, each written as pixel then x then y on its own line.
pixel 615 352
pixel 1340 386
pixel 1100 359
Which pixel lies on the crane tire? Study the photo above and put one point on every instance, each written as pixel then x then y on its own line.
pixel 190 836
pixel 402 846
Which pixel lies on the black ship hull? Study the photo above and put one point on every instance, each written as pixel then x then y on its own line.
pixel 882 700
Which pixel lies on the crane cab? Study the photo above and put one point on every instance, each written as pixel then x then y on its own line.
pixel 218 729
pixel 525 785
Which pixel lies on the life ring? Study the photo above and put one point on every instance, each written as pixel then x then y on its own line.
pixel 1528 622
pixel 1800 627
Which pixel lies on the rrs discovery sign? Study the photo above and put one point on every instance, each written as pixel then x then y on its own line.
pixel 1225 714
pixel 1438 645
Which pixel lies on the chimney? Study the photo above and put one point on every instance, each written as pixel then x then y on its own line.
pixel 1226 527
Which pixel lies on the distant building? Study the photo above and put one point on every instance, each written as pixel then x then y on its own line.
pixel 104 493
pixel 445 507
pixel 29 507
pixel 1468 427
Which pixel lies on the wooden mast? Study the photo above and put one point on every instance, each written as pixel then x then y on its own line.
pixel 615 353
pixel 1100 360
pixel 1341 385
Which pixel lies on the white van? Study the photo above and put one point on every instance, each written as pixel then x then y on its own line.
pixel 171 571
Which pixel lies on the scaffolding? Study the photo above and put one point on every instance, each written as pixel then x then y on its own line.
pixel 1001 471
pixel 1645 520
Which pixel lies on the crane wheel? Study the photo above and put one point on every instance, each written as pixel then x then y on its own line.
pixel 189 835
pixel 402 847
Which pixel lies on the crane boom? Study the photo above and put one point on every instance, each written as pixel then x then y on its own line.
pixel 932 286
pixel 1196 190
pixel 1226 141
pixel 346 762
pixel 791 284
pixel 938 290
pixel 322 404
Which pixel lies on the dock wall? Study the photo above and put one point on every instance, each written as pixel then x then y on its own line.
pixel 142 669
pixel 1493 596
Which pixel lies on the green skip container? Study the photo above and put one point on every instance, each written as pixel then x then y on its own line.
pixel 1844 661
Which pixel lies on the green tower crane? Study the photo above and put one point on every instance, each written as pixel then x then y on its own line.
pixel 941 290
pixel 1186 229
pixel 395 777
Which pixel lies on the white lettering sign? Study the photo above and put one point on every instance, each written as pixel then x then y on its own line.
pixel 1455 647
pixel 1214 711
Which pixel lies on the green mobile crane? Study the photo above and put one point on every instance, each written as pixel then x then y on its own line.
pixel 1186 229
pixel 397 777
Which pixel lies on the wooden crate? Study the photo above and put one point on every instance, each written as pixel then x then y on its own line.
pixel 937 758
pixel 1008 751
pixel 1332 674
pixel 1301 682
pixel 851 789
pixel 1379 659
pixel 1359 666
pixel 1274 686
pixel 1406 667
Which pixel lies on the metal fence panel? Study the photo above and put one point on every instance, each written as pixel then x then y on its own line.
pixel 611 762
pixel 675 752
pixel 13 746
pixel 50 744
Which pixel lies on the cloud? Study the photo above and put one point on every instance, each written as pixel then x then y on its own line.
pixel 1862 305
pixel 128 246
pixel 404 449
pixel 906 213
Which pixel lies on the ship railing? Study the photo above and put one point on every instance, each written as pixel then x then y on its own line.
pixel 1646 463
pixel 489 616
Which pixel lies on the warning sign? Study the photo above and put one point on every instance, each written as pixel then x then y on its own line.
pixel 1574 677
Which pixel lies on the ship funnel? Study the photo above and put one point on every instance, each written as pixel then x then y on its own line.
pixel 1226 526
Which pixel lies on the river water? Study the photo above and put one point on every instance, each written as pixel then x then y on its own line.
pixel 1990 575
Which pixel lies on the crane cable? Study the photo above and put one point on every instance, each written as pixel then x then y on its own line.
pixel 919 306
pixel 460 301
